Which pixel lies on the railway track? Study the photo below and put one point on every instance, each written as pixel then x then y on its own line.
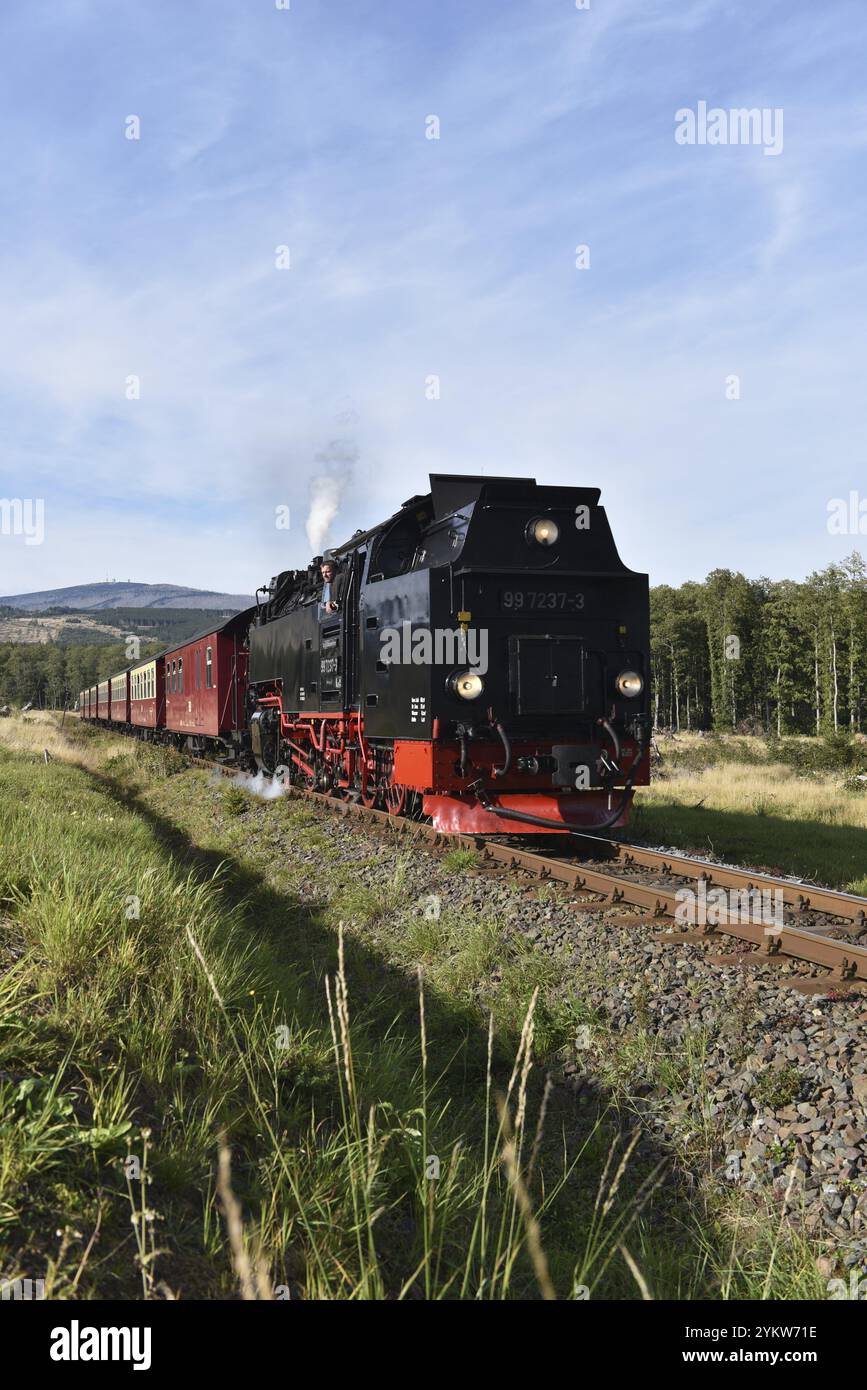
pixel 816 925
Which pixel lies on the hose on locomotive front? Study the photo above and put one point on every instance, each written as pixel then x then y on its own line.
pixel 611 767
pixel 507 749
pixel 557 825
pixel 462 737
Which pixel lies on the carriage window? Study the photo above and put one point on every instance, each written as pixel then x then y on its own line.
pixel 181 675
pixel 209 677
pixel 198 668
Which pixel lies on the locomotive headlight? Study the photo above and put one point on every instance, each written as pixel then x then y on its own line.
pixel 629 684
pixel 543 531
pixel 468 684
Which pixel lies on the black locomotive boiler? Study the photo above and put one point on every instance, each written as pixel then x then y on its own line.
pixel 487 665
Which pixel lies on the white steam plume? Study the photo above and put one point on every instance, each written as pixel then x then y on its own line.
pixel 267 788
pixel 325 494
pixel 326 489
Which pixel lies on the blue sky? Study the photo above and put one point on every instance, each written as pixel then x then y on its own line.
pixel 412 258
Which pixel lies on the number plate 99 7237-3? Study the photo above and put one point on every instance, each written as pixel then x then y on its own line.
pixel 544 601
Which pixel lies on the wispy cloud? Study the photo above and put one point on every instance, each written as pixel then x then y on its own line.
pixel 412 258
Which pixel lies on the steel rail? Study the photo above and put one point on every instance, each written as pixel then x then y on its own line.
pixel 846 960
pixel 801 896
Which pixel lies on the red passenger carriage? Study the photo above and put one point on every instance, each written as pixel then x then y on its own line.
pixel 205 686
pixel 119 703
pixel 147 704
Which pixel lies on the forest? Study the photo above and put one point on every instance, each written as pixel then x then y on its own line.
pixel 762 656
pixel 50 676
pixel 733 654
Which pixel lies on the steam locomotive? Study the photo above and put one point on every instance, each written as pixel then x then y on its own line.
pixel 486 666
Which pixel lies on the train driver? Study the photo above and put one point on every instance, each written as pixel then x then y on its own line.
pixel 332 586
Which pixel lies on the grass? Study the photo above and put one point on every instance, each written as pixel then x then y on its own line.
pixel 208 1089
pixel 458 860
pixel 777 1087
pixel 231 1067
pixel 235 801
pixel 794 807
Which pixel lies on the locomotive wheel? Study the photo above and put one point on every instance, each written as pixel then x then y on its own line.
pixel 395 798
pixel 368 790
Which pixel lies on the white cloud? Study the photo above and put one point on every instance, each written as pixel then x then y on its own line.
pixel 411 257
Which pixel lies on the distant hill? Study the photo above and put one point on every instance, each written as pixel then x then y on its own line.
pixel 95 598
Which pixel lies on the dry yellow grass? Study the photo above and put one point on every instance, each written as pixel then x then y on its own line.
pixel 757 812
pixel 75 742
pixel 766 790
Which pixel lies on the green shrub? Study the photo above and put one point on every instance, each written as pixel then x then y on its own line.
pixel 831 753
pixel 235 801
pixel 778 1086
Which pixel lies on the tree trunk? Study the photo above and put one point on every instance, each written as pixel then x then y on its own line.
pixel 836 685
